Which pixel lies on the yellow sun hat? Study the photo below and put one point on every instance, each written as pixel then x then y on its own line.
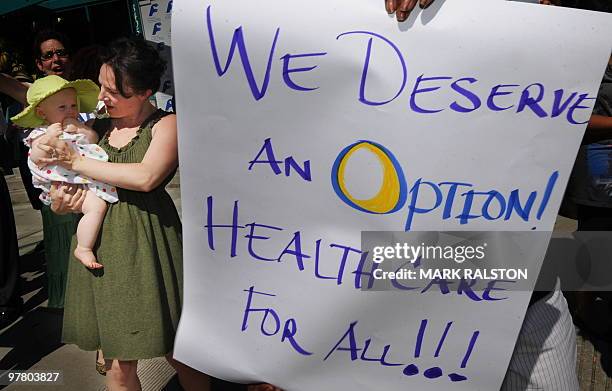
pixel 87 97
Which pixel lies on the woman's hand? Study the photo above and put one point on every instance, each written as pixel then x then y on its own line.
pixel 262 387
pixel 402 8
pixel 58 152
pixel 67 198
pixel 51 137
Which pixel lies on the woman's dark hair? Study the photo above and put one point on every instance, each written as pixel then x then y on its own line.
pixel 45 35
pixel 136 64
pixel 86 63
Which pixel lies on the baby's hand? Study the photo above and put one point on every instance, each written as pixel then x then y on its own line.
pixel 71 125
pixel 54 130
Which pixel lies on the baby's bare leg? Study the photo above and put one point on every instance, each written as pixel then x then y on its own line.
pixel 94 209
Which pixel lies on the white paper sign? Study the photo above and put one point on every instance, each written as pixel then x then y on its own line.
pixel 303 124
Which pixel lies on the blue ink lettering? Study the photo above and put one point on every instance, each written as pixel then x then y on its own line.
pixel 287 71
pixel 364 74
pixel 528 101
pixel 495 92
pixel 576 106
pixel 238 41
pixel 473 98
pixel 416 91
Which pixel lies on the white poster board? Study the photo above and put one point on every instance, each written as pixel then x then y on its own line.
pixel 476 122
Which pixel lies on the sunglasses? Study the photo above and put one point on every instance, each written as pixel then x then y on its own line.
pixel 49 55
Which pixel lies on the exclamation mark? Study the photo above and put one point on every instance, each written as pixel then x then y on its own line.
pixel 419 340
pixel 412 369
pixel 455 376
pixel 470 348
pixel 433 372
pixel 448 325
pixel 436 372
pixel 547 193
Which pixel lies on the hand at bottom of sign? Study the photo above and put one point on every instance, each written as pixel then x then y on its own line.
pixel 263 387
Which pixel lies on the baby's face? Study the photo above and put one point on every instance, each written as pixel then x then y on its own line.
pixel 59 106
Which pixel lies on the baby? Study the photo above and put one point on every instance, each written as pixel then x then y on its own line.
pixel 53 107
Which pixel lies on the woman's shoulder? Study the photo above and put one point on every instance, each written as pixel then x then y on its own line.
pixel 166 122
pixel 167 117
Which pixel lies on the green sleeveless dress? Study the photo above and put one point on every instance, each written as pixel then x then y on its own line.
pixel 131 307
pixel 58 231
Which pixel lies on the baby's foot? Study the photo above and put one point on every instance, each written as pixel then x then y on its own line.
pixel 87 257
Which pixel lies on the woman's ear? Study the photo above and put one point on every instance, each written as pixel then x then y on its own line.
pixel 144 96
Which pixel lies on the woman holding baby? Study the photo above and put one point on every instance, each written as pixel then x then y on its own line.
pixel 130 307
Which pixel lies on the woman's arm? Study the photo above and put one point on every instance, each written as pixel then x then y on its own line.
pixel 13 88
pixel 600 123
pixel 159 161
pixel 51 138
pixel 599 128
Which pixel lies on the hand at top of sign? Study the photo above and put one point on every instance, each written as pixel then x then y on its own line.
pixel 550 2
pixel 263 387
pixel 402 8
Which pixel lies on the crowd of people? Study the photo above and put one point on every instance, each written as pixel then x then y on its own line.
pixel 123 299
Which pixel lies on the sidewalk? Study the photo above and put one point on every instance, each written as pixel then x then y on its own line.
pixel 33 341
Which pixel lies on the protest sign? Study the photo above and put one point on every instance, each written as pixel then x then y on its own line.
pixel 156 19
pixel 156 16
pixel 302 125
